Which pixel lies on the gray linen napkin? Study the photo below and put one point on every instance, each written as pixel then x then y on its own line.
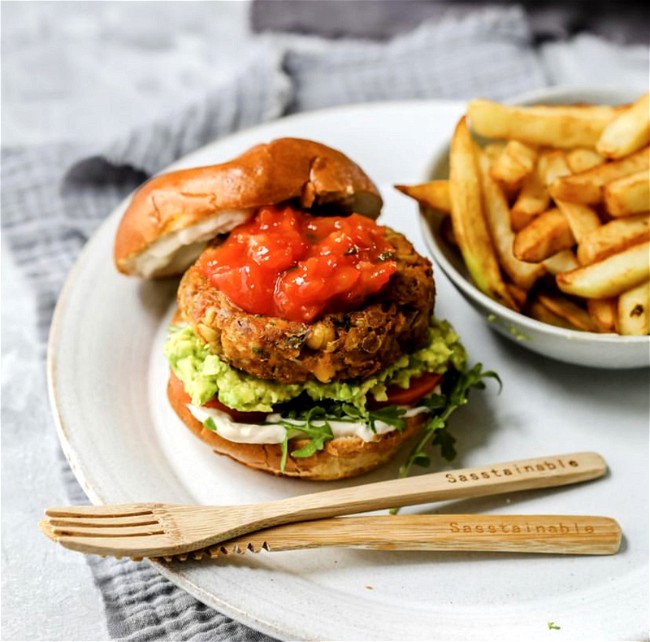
pixel 54 197
pixel 488 54
pixel 626 22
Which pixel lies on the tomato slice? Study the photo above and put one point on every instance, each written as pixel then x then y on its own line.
pixel 236 415
pixel 419 387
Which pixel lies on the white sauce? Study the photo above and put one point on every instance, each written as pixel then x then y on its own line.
pixel 175 251
pixel 274 433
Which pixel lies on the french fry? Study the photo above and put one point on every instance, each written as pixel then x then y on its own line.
pixel 553 165
pixel 468 219
pixel 518 294
pixel 494 150
pixel 634 310
pixel 587 187
pixel 562 261
pixel 604 313
pixel 581 159
pixel 628 132
pixel 613 237
pixel 562 127
pixel 604 113
pixel 497 214
pixel 433 194
pixel 538 311
pixel 544 236
pixel 568 310
pixel 533 199
pixel 582 219
pixel 629 195
pixel 609 277
pixel 514 164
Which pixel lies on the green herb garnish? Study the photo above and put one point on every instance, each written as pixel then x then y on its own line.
pixel 456 387
pixel 313 423
pixel 317 434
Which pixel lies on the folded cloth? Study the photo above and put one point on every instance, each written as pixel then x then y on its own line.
pixel 487 53
pixel 624 22
pixel 54 197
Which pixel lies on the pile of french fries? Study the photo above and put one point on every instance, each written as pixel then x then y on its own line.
pixel 551 212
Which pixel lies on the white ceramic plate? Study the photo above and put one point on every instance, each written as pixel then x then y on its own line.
pixel 107 378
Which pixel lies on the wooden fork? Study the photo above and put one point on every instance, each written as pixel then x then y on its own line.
pixel 159 530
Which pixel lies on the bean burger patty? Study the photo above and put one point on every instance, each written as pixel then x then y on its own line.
pixel 338 346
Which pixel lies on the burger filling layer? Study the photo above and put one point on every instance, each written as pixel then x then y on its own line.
pixel 205 375
pixel 359 407
pixel 274 429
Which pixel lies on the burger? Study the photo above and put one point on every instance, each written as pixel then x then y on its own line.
pixel 304 343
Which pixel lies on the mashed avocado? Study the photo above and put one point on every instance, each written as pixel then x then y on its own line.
pixel 205 375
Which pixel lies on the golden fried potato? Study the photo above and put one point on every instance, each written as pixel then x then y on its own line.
pixel 634 310
pixel 609 277
pixel 604 313
pixel 629 195
pixel 468 218
pixel 562 261
pixel 582 219
pixel 613 237
pixel 537 310
pixel 563 127
pixel 497 215
pixel 568 310
pixel 543 237
pixel 581 159
pixel 628 132
pixel 532 200
pixel 515 163
pixel 587 187
pixel 433 194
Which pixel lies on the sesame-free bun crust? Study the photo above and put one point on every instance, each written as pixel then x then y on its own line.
pixel 170 218
pixel 341 458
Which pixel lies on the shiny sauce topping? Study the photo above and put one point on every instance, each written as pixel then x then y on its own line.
pixel 289 264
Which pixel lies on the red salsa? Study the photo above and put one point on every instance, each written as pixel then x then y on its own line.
pixel 289 264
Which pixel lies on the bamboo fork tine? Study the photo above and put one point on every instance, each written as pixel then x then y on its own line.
pixel 108 511
pixel 188 528
pixel 89 521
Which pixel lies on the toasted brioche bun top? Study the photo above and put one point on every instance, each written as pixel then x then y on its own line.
pixel 172 216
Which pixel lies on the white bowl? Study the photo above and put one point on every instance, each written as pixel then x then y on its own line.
pixel 571 346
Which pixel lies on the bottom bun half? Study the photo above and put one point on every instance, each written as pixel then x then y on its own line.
pixel 341 457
